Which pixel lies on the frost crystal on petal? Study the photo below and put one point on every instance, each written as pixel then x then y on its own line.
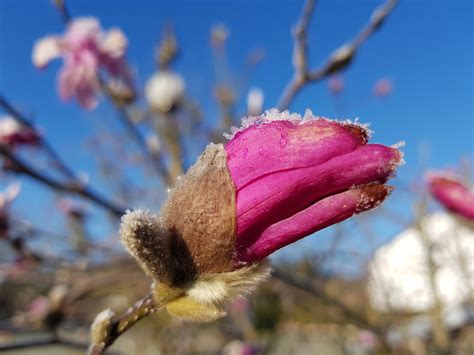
pixel 274 114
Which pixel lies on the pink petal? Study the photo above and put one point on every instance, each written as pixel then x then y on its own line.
pixel 87 91
pixel 83 28
pixel 79 81
pixel 114 43
pixel 320 215
pixel 69 78
pixel 383 87
pixel 452 194
pixel 45 50
pixel 279 195
pixel 280 145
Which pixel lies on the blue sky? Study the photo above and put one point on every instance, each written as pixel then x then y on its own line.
pixel 425 47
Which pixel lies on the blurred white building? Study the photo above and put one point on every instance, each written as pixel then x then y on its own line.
pixel 399 272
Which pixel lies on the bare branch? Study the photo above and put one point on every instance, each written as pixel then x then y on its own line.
pixel 122 323
pixel 73 187
pixel 337 61
pixel 309 287
pixel 58 162
pixel 155 158
pixel 300 49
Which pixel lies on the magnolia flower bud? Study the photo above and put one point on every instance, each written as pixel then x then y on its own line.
pixel 101 326
pixel 255 102
pixel 219 35
pixel 341 57
pixel 383 87
pixel 164 91
pixel 452 194
pixel 13 133
pixel 279 179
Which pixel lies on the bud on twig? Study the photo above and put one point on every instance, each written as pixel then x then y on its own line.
pixel 241 202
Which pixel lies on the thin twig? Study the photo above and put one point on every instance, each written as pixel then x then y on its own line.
pixel 309 287
pixel 63 10
pixel 125 321
pixel 72 187
pixel 20 118
pixel 155 158
pixel 339 60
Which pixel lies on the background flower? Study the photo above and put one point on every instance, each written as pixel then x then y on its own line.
pixel 85 49
pixel 451 193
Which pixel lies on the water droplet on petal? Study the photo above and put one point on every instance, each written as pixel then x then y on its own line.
pixel 284 134
pixel 245 152
pixel 283 142
pixel 261 151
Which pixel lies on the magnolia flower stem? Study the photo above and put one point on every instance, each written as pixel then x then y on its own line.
pixel 155 158
pixel 73 187
pixel 63 10
pixel 147 306
pixel 334 63
pixel 125 321
pixel 169 130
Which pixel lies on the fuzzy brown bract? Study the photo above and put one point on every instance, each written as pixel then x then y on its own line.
pixel 189 248
pixel 201 209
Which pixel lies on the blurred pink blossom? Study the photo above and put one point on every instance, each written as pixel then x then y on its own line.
pixel 383 87
pixel 85 49
pixel 451 193
pixel 71 208
pixel 296 176
pixel 14 134
pixel 336 84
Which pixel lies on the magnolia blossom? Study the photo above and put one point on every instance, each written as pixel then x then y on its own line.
pixel 219 35
pixel 255 98
pixel 280 178
pixel 85 49
pixel 452 193
pixel 164 90
pixel 12 133
pixel 383 87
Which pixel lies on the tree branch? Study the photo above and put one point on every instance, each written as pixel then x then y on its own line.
pixel 122 323
pixel 74 187
pixel 155 158
pixel 20 118
pixel 309 287
pixel 337 61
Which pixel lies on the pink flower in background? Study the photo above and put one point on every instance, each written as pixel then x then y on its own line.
pixel 336 84
pixel 383 87
pixel 85 49
pixel 296 176
pixel 14 134
pixel 452 193
pixel 72 209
